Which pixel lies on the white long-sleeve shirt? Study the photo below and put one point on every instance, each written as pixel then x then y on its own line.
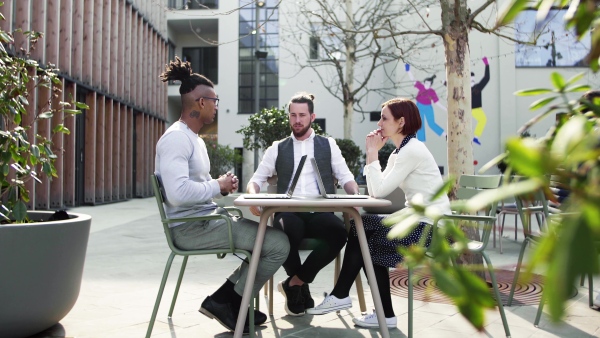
pixel 184 168
pixel 414 170
pixel 307 183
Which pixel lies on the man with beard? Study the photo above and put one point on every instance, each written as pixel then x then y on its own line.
pixel 183 165
pixel 281 159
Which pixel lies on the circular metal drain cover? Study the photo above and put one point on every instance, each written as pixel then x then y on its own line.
pixel 425 290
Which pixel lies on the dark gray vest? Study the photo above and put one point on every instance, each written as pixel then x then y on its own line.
pixel 284 165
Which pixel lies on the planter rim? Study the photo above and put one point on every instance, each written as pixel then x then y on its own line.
pixel 75 217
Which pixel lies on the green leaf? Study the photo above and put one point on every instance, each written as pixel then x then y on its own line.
pixel 541 102
pixel 20 211
pixel 511 10
pixel 447 283
pixel 533 92
pixel 72 111
pixel 569 136
pixel 35 150
pixel 527 157
pixel 81 105
pixel 5 38
pixel 578 88
pixel 487 197
pixel 575 78
pixel 443 190
pixel 558 81
pixel 45 115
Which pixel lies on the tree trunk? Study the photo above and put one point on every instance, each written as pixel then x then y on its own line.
pixel 458 74
pixel 348 88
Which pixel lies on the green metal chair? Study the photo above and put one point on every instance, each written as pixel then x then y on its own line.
pixel 549 213
pixel 175 251
pixel 470 186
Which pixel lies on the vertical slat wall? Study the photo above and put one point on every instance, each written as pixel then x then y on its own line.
pixel 38 24
pixel 109 54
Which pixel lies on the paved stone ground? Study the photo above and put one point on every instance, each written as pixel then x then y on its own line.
pixel 126 258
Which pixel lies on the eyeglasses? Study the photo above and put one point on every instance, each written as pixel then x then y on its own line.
pixel 210 98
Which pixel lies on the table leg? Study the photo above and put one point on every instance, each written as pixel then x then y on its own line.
pixel 364 248
pixel 260 236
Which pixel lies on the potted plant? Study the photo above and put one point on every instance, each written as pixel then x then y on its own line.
pixel 41 261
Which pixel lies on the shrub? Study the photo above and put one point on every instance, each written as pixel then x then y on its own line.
pixel 352 154
pixel 222 158
pixel 268 126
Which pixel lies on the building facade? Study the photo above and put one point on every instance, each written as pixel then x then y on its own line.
pixel 110 54
pixel 228 27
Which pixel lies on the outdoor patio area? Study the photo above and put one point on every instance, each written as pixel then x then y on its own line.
pixel 126 257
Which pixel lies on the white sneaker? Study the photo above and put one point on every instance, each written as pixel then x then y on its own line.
pixel 371 321
pixel 597 301
pixel 330 304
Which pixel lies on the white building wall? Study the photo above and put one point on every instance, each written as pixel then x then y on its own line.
pixel 506 113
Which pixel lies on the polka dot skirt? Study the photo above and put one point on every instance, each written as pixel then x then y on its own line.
pixel 383 251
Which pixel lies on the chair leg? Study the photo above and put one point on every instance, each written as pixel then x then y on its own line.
pixel 338 266
pixel 361 294
pixel 181 272
pixel 270 287
pixel 160 293
pixel 494 234
pixel 497 293
pixel 591 290
pixel 517 271
pixel 538 316
pixel 410 304
pixel 501 232
pixel 582 280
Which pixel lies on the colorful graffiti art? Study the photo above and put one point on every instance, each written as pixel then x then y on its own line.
pixel 476 102
pixel 426 97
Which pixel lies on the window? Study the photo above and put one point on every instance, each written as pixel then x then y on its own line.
pixel 314 48
pixel 204 60
pixel 321 123
pixel 268 67
pixel 194 4
pixel 326 43
pixel 556 46
pixel 374 116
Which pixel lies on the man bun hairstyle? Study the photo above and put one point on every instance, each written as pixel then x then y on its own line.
pixel 402 107
pixel 303 97
pixel 182 71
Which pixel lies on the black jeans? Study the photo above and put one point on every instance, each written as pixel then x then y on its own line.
pixel 325 227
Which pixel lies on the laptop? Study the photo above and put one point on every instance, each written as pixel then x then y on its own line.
pixel 290 192
pixel 322 187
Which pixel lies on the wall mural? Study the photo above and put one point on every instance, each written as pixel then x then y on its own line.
pixel 425 97
pixel 476 102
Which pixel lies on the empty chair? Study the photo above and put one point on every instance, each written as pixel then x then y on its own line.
pixel 470 186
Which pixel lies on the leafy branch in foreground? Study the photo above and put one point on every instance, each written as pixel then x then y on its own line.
pixel 23 159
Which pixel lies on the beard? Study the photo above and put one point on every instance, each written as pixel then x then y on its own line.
pixel 302 131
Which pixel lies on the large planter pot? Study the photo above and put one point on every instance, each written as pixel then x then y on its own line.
pixel 41 265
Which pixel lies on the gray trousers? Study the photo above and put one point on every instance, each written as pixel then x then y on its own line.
pixel 214 234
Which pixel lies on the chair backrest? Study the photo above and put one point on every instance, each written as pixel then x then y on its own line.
pixel 159 194
pixel 398 199
pixel 471 185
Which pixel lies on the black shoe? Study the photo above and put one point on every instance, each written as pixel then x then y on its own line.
pixel 294 300
pixel 259 318
pixel 309 303
pixel 223 313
